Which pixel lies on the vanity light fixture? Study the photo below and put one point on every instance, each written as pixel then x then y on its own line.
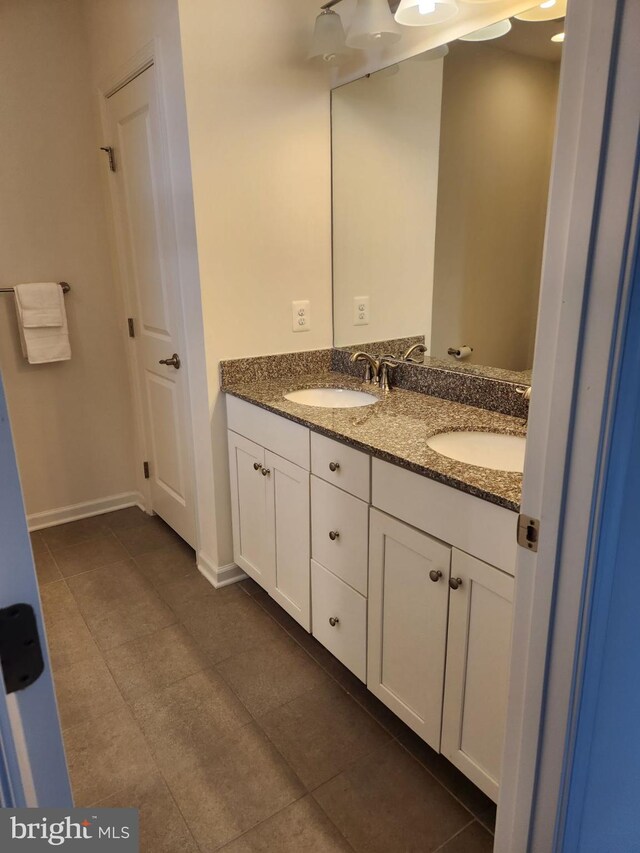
pixel 493 31
pixel 547 11
pixel 328 42
pixel 423 13
pixel 372 25
pixel 558 38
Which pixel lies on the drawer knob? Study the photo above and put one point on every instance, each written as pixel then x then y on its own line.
pixel 257 466
pixel 435 575
pixel 333 621
pixel 334 466
pixel 333 535
pixel 265 472
pixel 455 583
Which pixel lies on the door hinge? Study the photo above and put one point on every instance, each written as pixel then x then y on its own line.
pixel 20 649
pixel 528 532
pixel 132 328
pixel 145 466
pixel 112 157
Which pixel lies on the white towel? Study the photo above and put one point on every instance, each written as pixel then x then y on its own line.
pixel 42 321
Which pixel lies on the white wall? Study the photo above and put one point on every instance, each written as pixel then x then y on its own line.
pixel 386 143
pixel 498 123
pixel 116 31
pixel 259 129
pixel 72 420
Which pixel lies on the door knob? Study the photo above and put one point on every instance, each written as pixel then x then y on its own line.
pixel 257 466
pixel 454 583
pixel 333 621
pixel 334 466
pixel 333 535
pixel 435 575
pixel 174 361
pixel 265 472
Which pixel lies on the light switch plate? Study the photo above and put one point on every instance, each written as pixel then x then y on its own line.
pixel 361 315
pixel 301 316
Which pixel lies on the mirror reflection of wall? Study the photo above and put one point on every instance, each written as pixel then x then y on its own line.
pixel 441 172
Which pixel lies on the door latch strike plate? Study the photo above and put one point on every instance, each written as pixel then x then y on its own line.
pixel 132 328
pixel 145 466
pixel 20 649
pixel 528 532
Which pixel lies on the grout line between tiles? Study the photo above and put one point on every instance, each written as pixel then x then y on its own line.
pixel 455 835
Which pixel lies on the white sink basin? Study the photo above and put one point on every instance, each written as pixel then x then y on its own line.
pixel 486 449
pixel 331 398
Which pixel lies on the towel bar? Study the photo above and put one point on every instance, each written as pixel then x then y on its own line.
pixel 63 284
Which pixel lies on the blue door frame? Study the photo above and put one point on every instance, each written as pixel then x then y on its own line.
pixel 602 813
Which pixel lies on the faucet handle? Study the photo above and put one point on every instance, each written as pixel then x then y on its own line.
pixel 387 364
pixel 524 391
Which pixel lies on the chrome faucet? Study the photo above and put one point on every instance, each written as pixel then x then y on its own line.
pixel 421 348
pixel 372 373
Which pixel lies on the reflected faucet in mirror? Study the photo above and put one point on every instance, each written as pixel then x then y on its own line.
pixel 409 355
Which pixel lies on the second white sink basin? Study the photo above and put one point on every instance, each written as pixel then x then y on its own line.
pixel 331 398
pixel 485 449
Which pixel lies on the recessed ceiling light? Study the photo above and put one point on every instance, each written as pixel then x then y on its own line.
pixel 493 31
pixel 550 10
pixel 558 38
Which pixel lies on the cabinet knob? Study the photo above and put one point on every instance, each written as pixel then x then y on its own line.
pixel 265 472
pixel 454 583
pixel 333 621
pixel 333 535
pixel 334 466
pixel 257 466
pixel 435 575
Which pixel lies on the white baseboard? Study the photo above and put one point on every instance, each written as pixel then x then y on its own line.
pixel 219 576
pixel 40 520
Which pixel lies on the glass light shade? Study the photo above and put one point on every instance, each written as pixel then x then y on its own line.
pixel 558 38
pixel 423 13
pixel 493 31
pixel 546 11
pixel 372 25
pixel 328 37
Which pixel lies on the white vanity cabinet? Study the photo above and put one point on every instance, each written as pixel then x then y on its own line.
pixel 408 602
pixel 476 684
pixel 270 505
pixel 407 581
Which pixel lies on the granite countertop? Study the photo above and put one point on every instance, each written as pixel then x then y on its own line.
pixel 396 429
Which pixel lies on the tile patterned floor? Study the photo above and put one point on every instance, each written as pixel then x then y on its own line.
pixel 225 723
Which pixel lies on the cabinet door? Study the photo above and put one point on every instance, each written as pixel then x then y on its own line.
pixel 478 651
pixel 408 623
pixel 288 524
pixel 248 508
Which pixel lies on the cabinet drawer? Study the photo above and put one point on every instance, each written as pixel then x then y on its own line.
pixel 283 437
pixel 471 524
pixel 340 533
pixel 343 466
pixel 347 637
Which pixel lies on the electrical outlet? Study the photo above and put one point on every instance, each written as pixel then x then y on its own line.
pixel 301 316
pixel 361 315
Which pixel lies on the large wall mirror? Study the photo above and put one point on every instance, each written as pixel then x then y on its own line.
pixel 441 168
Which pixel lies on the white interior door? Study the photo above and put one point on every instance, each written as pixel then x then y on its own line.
pixel 147 246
